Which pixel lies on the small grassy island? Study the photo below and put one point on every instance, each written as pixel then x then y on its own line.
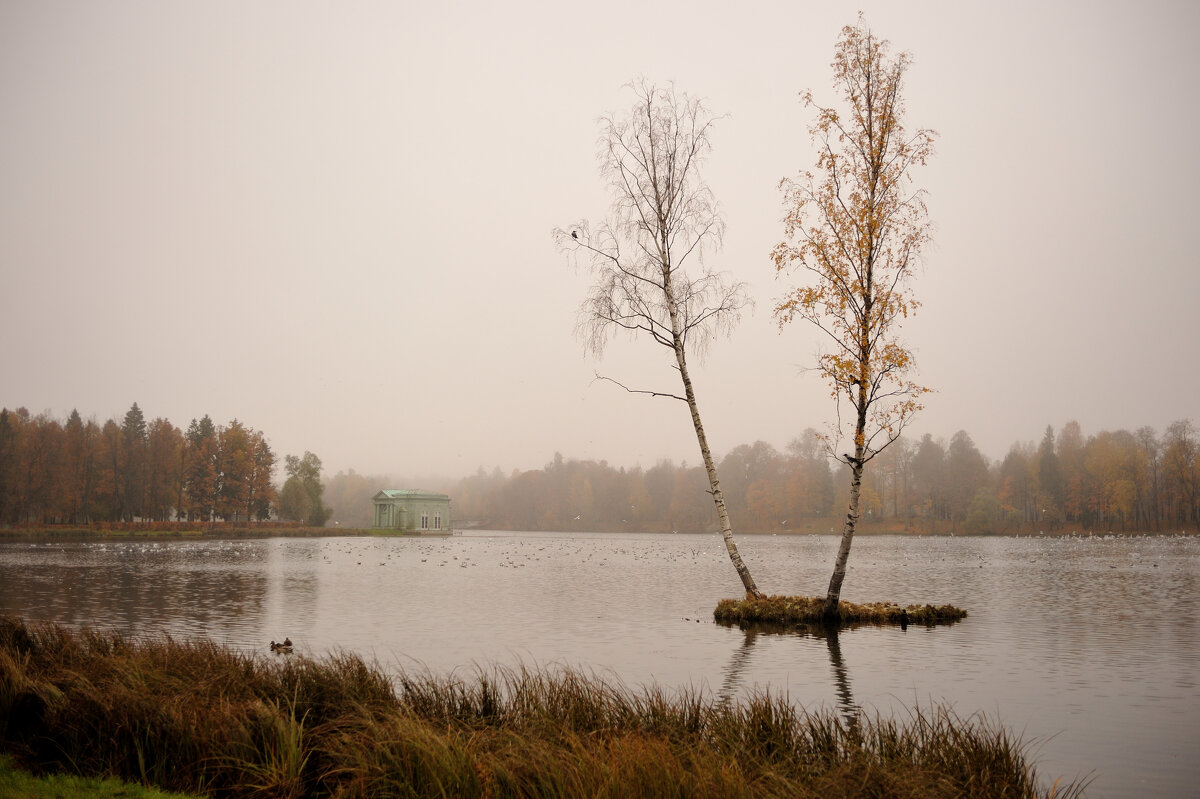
pixel 807 610
pixel 209 720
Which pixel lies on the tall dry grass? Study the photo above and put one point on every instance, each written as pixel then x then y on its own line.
pixel 195 716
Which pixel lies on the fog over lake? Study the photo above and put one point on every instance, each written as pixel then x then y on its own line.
pixel 1089 646
pixel 332 222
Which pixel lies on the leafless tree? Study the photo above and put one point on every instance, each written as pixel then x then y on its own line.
pixel 648 258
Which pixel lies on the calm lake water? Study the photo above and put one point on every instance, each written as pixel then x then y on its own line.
pixel 1089 647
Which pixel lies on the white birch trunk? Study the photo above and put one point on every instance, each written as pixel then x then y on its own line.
pixel 710 468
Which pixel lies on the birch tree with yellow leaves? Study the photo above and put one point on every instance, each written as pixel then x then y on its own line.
pixel 854 230
pixel 647 259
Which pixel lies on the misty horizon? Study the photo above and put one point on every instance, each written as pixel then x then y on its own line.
pixel 333 224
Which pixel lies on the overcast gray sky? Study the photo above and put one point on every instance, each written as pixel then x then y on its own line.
pixel 332 220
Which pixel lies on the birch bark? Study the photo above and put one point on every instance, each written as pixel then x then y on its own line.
pixel 648 259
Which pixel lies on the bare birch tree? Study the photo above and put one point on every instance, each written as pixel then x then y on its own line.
pixel 857 228
pixel 648 258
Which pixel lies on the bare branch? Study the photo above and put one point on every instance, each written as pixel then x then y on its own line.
pixel 638 390
pixel 664 219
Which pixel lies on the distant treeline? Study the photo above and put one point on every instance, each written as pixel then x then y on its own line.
pixel 81 472
pixel 78 472
pixel 1111 481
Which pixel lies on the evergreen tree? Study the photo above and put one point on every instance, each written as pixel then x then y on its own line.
pixel 200 479
pixel 1051 487
pixel 132 464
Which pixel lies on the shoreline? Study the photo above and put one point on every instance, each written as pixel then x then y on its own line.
pixel 217 530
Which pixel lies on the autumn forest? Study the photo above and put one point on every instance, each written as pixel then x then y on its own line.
pixel 1110 481
pixel 81 472
pixel 77 471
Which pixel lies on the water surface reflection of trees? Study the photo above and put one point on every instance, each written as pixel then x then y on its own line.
pixel 138 588
pixel 732 679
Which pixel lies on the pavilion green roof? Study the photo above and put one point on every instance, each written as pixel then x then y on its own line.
pixel 409 493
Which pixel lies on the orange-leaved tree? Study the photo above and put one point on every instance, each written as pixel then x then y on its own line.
pixel 855 229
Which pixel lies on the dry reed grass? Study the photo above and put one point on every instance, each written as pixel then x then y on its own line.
pixel 198 717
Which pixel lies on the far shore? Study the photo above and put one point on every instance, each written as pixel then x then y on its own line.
pixel 200 530
pixel 174 530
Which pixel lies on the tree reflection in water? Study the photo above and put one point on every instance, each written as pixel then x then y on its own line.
pixel 841 680
pixel 732 681
pixel 737 664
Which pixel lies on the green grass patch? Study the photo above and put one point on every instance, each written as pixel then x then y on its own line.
pixel 810 610
pixel 18 784
pixel 197 717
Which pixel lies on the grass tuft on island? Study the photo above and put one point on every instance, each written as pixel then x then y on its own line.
pixel 199 717
pixel 810 610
